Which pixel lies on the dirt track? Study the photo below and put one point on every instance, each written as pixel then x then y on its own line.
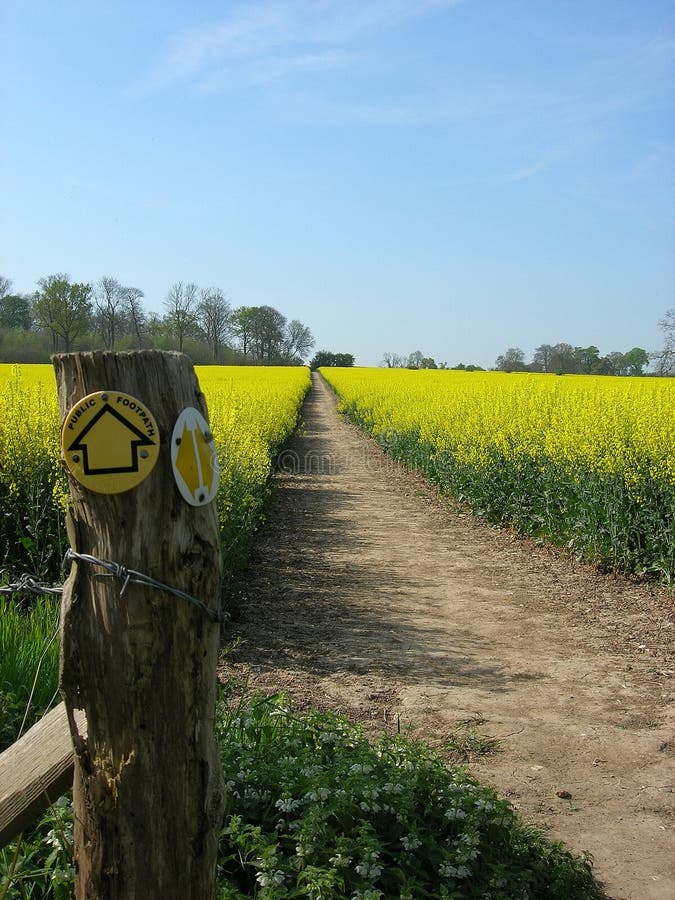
pixel 368 594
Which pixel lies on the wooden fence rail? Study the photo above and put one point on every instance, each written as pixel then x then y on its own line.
pixel 36 771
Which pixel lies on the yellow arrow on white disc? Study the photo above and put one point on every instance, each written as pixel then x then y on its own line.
pixel 194 459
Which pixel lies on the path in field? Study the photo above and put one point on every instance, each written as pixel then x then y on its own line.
pixel 368 594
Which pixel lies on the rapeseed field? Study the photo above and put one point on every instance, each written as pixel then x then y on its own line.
pixel 252 411
pixel 587 461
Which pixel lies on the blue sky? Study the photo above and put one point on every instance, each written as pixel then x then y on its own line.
pixel 451 176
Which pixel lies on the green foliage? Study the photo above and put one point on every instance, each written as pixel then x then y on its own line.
pixel 39 864
pixel 15 312
pixel 326 358
pixel 63 308
pixel 315 811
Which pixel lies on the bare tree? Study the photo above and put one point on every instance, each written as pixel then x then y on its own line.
pixel 297 342
pixel 215 317
pixel 181 306
pixel 664 359
pixel 394 361
pixel 541 361
pixel 5 286
pixel 133 308
pixel 511 361
pixel 109 309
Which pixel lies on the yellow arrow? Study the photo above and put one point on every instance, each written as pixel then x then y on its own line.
pixel 194 460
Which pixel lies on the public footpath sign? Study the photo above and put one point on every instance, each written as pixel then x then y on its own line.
pixel 194 459
pixel 110 442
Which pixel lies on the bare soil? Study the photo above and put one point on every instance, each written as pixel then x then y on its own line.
pixel 369 594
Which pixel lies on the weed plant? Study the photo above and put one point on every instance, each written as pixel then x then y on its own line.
pixel 316 811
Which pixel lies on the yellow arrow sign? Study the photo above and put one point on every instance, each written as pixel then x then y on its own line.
pixel 193 457
pixel 110 442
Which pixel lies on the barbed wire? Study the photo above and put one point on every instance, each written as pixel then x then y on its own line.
pixel 28 584
pixel 130 576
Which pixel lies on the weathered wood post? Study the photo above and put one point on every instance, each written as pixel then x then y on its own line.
pixel 138 659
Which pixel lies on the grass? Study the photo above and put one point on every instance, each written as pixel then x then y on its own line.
pixel 29 660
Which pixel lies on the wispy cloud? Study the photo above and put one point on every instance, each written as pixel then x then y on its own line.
pixel 537 166
pixel 272 39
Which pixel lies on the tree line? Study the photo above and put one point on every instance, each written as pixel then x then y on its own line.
pixel 328 358
pixel 63 315
pixel 563 359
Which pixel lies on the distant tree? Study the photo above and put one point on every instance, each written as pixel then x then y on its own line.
pixel 563 359
pixel 634 361
pixel 417 360
pixel 541 361
pixel 611 364
pixel 394 361
pixel 322 358
pixel 181 310
pixel 511 361
pixel 326 358
pixel 214 315
pixel 110 309
pixel 64 309
pixel 5 286
pixel 586 359
pixel 269 326
pixel 15 312
pixel 156 329
pixel 135 314
pixel 243 326
pixel 664 360
pixel 298 340
pixel 344 360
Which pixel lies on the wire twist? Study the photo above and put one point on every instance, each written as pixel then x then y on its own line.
pixel 131 576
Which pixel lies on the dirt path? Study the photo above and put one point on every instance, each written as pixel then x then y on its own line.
pixel 368 594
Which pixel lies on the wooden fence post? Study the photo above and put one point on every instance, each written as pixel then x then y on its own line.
pixel 140 661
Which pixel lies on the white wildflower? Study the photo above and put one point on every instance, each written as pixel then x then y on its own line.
pixel 410 843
